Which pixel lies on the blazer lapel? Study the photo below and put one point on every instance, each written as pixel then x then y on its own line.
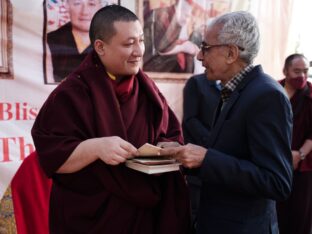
pixel 219 119
pixel 216 113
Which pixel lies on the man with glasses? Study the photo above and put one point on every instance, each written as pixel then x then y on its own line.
pixel 247 163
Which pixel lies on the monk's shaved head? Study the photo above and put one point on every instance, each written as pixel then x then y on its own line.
pixel 102 24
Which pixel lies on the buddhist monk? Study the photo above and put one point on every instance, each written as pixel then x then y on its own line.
pixel 92 123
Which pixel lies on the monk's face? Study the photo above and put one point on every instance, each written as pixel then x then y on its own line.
pixel 296 73
pixel 123 54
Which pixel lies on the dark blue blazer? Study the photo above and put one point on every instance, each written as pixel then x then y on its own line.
pixel 248 164
pixel 200 99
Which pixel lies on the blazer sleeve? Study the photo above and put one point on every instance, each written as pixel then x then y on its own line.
pixel 267 169
pixel 193 129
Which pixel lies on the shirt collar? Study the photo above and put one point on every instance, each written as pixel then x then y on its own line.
pixel 230 86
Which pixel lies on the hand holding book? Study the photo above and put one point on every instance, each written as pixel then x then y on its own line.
pixel 190 155
pixel 152 150
pixel 150 161
pixel 149 150
pixel 166 144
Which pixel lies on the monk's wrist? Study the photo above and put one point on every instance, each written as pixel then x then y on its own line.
pixel 301 154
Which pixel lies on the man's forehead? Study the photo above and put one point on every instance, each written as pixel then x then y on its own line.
pixel 211 33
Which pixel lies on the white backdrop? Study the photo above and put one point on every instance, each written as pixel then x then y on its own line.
pixel 21 97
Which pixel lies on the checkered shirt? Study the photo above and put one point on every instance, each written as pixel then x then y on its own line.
pixel 231 85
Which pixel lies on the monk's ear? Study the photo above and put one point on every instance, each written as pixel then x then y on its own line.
pixel 99 47
pixel 285 71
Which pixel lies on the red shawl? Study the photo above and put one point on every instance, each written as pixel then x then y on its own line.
pixel 101 198
pixel 30 194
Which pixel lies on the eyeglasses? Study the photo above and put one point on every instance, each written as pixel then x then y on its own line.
pixel 204 47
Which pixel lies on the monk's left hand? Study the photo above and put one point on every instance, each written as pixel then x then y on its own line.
pixel 296 159
pixel 191 156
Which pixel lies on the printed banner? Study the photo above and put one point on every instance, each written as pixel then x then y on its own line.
pixel 29 71
pixel 26 70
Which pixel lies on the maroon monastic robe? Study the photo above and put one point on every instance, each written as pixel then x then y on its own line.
pixel 301 103
pixel 295 214
pixel 101 198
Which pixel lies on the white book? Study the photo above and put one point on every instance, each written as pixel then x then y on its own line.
pixel 157 160
pixel 153 169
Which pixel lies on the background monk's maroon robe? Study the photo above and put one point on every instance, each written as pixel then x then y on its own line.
pixel 295 214
pixel 101 198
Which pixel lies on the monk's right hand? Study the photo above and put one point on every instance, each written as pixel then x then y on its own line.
pixel 114 150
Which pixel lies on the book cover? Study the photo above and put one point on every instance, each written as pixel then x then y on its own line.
pixel 153 169
pixel 157 160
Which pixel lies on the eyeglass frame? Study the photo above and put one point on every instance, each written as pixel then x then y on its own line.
pixel 205 47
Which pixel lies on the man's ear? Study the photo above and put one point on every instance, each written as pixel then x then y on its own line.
pixel 233 53
pixel 99 47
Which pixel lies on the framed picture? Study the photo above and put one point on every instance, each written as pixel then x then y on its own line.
pixel 66 35
pixel 6 65
pixel 173 31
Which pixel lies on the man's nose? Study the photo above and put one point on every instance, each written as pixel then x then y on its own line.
pixel 200 56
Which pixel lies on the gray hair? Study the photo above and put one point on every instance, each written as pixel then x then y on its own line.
pixel 240 28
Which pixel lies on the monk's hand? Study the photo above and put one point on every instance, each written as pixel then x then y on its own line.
pixel 191 156
pixel 114 150
pixel 164 144
pixel 296 158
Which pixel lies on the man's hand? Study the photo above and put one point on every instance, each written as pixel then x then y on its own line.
pixel 114 150
pixel 165 144
pixel 191 156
